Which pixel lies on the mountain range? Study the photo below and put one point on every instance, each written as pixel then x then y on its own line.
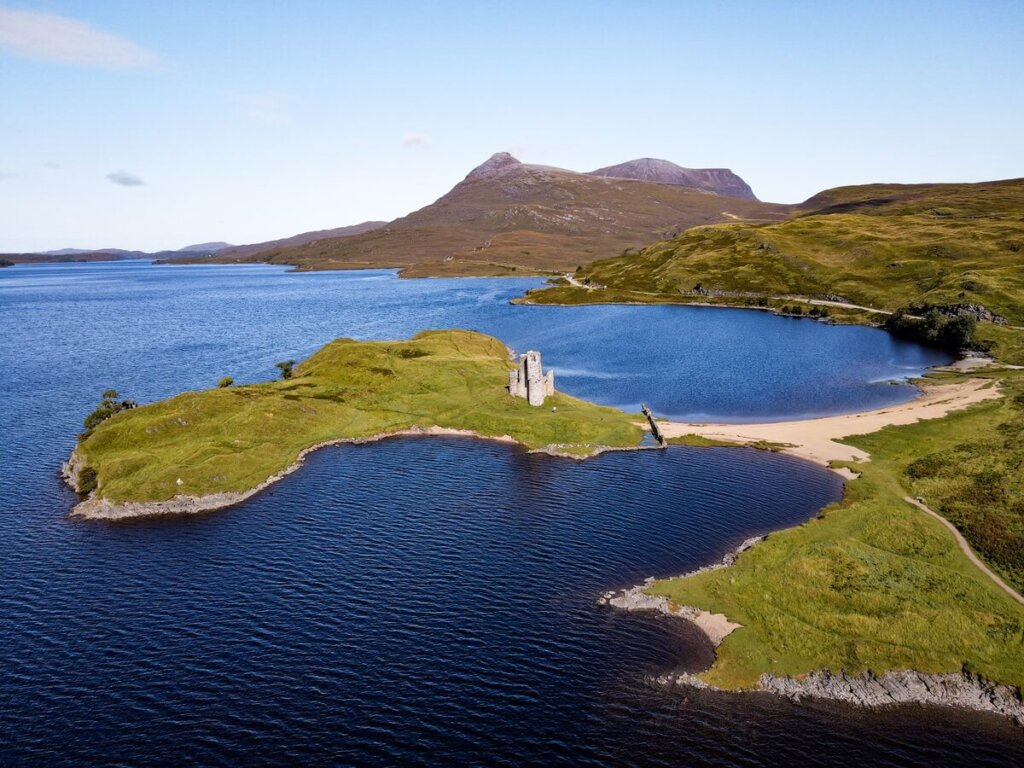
pixel 199 250
pixel 507 217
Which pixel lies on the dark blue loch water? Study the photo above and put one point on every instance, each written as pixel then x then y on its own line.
pixel 415 601
pixel 188 326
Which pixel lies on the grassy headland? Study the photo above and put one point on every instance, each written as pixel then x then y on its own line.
pixel 874 583
pixel 231 439
pixel 884 247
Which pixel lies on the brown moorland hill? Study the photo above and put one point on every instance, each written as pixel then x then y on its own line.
pixel 507 217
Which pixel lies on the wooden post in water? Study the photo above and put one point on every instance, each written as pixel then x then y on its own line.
pixel 655 429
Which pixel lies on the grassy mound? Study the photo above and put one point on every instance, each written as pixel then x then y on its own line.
pixel 233 438
pixel 875 584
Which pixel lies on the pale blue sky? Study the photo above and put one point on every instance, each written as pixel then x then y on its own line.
pixel 243 121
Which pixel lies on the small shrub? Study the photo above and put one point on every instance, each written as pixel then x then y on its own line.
pixel 931 465
pixel 285 366
pixel 409 354
pixel 227 381
pixel 88 480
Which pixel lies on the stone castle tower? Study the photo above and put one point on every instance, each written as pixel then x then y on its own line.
pixel 529 380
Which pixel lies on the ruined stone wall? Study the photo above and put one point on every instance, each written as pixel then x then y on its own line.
pixel 529 381
pixel 534 379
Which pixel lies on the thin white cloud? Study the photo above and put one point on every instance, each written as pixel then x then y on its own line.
pixel 50 37
pixel 8 175
pixel 125 179
pixel 411 140
pixel 264 107
pixel 51 165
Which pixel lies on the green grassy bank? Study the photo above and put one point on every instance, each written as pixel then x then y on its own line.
pixel 234 438
pixel 874 583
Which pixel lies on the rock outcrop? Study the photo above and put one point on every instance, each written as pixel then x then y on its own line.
pixel 960 690
pixel 493 166
pixel 977 311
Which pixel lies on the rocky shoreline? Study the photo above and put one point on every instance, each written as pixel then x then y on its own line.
pixel 715 626
pixel 94 507
pixel 958 690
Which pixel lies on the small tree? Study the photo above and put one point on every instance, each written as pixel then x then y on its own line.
pixel 227 381
pixel 109 405
pixel 286 367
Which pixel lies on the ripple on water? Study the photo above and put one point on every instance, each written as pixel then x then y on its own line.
pixel 448 616
pixel 418 600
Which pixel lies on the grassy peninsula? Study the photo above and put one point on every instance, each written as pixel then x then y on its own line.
pixel 874 583
pixel 232 439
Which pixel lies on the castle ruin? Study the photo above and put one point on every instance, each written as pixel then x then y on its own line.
pixel 529 380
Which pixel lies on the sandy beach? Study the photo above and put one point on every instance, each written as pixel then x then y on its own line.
pixel 815 439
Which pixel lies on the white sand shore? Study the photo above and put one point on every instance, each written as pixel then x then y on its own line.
pixel 815 439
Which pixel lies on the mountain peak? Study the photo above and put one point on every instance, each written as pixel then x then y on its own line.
pixel 721 181
pixel 496 164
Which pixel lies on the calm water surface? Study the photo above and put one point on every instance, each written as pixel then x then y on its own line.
pixel 415 601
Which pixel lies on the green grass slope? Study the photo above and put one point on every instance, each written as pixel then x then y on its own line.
pixel 878 246
pixel 876 584
pixel 234 438
pixel 881 246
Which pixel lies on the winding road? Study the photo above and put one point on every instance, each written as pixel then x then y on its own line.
pixel 817 302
